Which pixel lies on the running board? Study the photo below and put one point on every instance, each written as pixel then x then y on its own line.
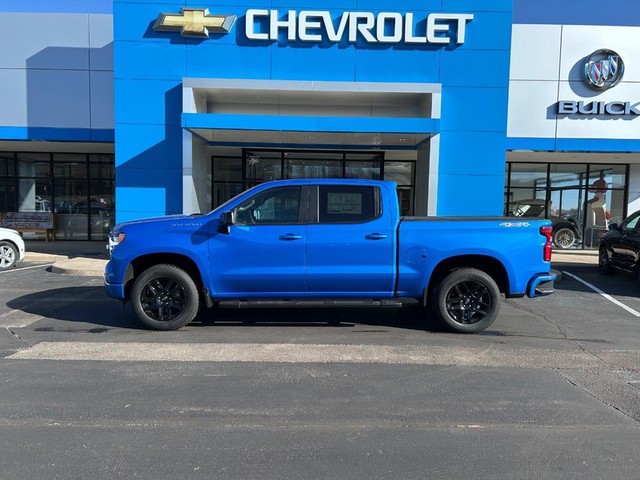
pixel 308 303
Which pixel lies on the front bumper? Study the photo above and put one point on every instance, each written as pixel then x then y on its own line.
pixel 114 289
pixel 541 285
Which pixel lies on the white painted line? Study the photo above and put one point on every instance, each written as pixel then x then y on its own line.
pixel 605 295
pixel 27 268
pixel 308 353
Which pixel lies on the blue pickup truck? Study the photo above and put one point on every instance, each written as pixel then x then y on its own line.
pixel 326 243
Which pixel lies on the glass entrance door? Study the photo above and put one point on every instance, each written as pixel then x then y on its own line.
pixel 232 175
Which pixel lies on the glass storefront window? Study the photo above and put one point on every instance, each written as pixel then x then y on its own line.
pixel 264 165
pixel 313 165
pixel 364 170
pixel 78 188
pixel 590 196
pixel 227 169
pixel 34 165
pixel 400 172
pixel 529 175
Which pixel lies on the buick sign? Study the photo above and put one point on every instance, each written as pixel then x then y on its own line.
pixel 604 69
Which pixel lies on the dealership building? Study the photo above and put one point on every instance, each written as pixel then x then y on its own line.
pixel 131 109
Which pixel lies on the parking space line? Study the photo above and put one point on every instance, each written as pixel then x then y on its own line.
pixel 27 268
pixel 605 295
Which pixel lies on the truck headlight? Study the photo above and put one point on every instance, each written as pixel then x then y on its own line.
pixel 115 239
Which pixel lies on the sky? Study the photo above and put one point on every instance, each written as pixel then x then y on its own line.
pixel 567 12
pixel 577 12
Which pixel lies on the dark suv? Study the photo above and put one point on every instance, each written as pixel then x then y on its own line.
pixel 620 247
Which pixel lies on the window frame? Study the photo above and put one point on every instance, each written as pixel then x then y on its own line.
pixel 314 206
pixel 303 206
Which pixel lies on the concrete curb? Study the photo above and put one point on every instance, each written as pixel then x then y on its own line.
pixel 80 266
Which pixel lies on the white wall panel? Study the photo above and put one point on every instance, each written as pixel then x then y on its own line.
pixel 529 112
pixel 102 100
pixel 13 98
pixel 57 98
pixel 535 52
pixel 603 127
pixel 44 40
pixel 101 42
pixel 580 41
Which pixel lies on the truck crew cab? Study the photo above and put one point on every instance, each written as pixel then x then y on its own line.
pixel 326 242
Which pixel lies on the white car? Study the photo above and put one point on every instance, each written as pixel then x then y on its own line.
pixel 11 248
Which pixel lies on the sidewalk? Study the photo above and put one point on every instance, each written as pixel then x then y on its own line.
pixel 70 258
pixel 89 258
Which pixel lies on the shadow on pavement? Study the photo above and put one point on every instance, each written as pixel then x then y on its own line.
pixel 618 284
pixel 90 306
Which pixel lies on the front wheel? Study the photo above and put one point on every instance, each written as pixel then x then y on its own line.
pixel 165 297
pixel 604 263
pixel 8 255
pixel 467 300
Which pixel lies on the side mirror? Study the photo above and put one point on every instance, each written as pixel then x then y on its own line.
pixel 613 226
pixel 226 220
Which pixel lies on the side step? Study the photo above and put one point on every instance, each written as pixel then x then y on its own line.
pixel 308 303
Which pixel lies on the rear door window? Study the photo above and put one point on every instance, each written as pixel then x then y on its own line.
pixel 348 204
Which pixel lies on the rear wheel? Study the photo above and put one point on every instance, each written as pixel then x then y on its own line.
pixel 467 300
pixel 604 263
pixel 165 297
pixel 8 255
pixel 564 237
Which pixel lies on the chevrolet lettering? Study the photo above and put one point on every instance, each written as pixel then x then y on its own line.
pixel 383 27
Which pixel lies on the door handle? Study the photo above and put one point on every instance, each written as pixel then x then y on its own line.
pixel 290 236
pixel 376 236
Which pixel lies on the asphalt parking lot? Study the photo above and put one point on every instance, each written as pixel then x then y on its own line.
pixel 551 390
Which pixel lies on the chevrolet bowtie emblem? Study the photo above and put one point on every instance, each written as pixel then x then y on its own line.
pixel 194 22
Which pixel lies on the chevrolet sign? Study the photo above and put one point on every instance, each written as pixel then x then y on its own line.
pixel 383 27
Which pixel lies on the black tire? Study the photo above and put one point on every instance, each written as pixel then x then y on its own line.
pixel 165 297
pixel 467 300
pixel 604 264
pixel 564 237
pixel 8 255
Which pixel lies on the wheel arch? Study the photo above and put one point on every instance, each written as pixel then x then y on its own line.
pixel 490 265
pixel 144 262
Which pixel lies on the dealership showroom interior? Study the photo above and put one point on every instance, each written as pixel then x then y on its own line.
pixel 120 110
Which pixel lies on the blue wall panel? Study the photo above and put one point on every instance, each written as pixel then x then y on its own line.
pixel 150 61
pixel 227 61
pixel 148 101
pixel 150 66
pixel 387 64
pixel 473 195
pixel 474 109
pixel 476 68
pixel 473 153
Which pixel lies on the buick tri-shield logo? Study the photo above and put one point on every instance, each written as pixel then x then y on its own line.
pixel 604 69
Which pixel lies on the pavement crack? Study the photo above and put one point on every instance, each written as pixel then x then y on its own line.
pixel 17 337
pixel 555 325
pixel 625 407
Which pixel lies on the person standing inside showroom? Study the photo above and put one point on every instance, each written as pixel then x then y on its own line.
pixel 598 216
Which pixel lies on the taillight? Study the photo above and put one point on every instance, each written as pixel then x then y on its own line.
pixel 547 232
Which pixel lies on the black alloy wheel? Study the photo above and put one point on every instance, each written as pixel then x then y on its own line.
pixel 604 263
pixel 468 300
pixel 165 297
